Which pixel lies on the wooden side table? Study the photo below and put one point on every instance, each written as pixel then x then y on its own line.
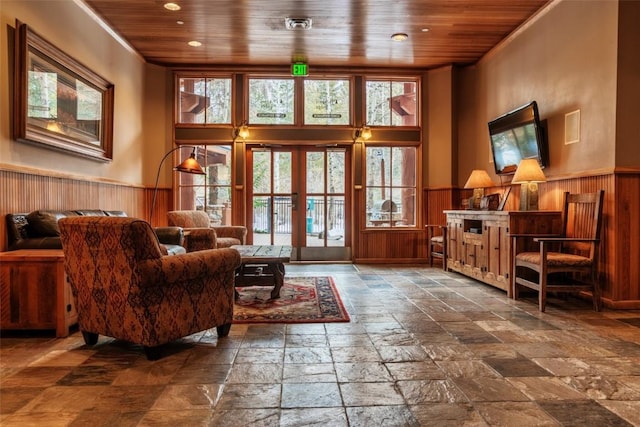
pixel 34 293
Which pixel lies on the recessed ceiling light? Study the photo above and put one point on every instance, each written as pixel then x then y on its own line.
pixel 399 37
pixel 180 22
pixel 425 30
pixel 172 6
pixel 194 43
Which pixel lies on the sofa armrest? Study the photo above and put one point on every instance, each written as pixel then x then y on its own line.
pixel 186 267
pixel 170 235
pixel 199 239
pixel 236 231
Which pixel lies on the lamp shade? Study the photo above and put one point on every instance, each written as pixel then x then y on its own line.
pixel 190 165
pixel 529 170
pixel 479 178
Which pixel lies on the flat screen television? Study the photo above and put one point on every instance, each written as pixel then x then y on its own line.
pixel 517 135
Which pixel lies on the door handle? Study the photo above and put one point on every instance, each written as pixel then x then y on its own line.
pixel 294 201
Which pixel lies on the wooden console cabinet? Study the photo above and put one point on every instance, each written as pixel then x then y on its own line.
pixel 479 243
pixel 34 293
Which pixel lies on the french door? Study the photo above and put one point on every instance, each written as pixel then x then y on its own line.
pixel 298 196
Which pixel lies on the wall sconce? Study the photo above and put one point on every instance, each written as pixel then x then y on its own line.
pixel 528 174
pixel 478 180
pixel 189 165
pixel 241 131
pixel 363 133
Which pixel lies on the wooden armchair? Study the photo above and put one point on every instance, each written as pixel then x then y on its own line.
pixel 566 263
pixel 196 223
pixel 127 289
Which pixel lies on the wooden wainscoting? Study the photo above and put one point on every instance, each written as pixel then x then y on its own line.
pixel 26 191
pixel 624 267
pixel 620 245
pixel 386 245
pixel 438 200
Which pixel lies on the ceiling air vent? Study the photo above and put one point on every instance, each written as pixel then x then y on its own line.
pixel 297 23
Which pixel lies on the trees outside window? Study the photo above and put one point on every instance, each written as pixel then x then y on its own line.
pixel 211 192
pixel 204 100
pixel 327 102
pixel 391 186
pixel 391 103
pixel 390 189
pixel 271 101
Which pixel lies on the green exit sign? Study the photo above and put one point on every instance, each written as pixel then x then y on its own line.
pixel 299 69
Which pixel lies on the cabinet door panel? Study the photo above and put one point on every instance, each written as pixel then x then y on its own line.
pixel 497 252
pixel 455 248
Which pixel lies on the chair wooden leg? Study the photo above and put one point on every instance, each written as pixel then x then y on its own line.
pixel 223 330
pixel 542 292
pixel 542 278
pixel 89 338
pixel 597 298
pixel 152 353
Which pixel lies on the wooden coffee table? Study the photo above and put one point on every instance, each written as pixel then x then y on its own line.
pixel 262 265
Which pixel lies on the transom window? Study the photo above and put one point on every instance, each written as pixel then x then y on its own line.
pixel 327 102
pixel 271 101
pixel 391 103
pixel 205 100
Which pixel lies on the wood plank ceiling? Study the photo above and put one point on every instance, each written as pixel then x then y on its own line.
pixel 343 33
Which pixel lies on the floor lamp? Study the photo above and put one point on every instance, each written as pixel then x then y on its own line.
pixel 189 165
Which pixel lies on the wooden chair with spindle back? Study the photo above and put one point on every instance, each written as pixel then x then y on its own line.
pixel 567 263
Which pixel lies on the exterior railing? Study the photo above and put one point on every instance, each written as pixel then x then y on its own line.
pixel 280 210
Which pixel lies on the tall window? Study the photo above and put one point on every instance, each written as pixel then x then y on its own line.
pixel 271 101
pixel 391 103
pixel 326 102
pixel 391 186
pixel 204 100
pixel 211 192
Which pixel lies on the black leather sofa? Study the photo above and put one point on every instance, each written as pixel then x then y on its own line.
pixel 39 229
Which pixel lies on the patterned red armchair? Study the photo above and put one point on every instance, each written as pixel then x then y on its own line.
pixel 200 235
pixel 127 289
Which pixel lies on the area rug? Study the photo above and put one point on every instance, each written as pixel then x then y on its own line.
pixel 302 300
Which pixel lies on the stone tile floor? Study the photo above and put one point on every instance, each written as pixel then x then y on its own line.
pixel 423 348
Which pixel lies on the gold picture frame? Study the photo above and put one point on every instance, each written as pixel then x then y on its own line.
pixel 58 102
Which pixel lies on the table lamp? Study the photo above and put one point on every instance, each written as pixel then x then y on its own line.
pixel 478 180
pixel 528 175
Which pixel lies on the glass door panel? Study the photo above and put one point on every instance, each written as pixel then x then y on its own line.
pixel 298 198
pixel 325 199
pixel 272 198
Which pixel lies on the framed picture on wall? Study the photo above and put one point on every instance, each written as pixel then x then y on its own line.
pixel 58 102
